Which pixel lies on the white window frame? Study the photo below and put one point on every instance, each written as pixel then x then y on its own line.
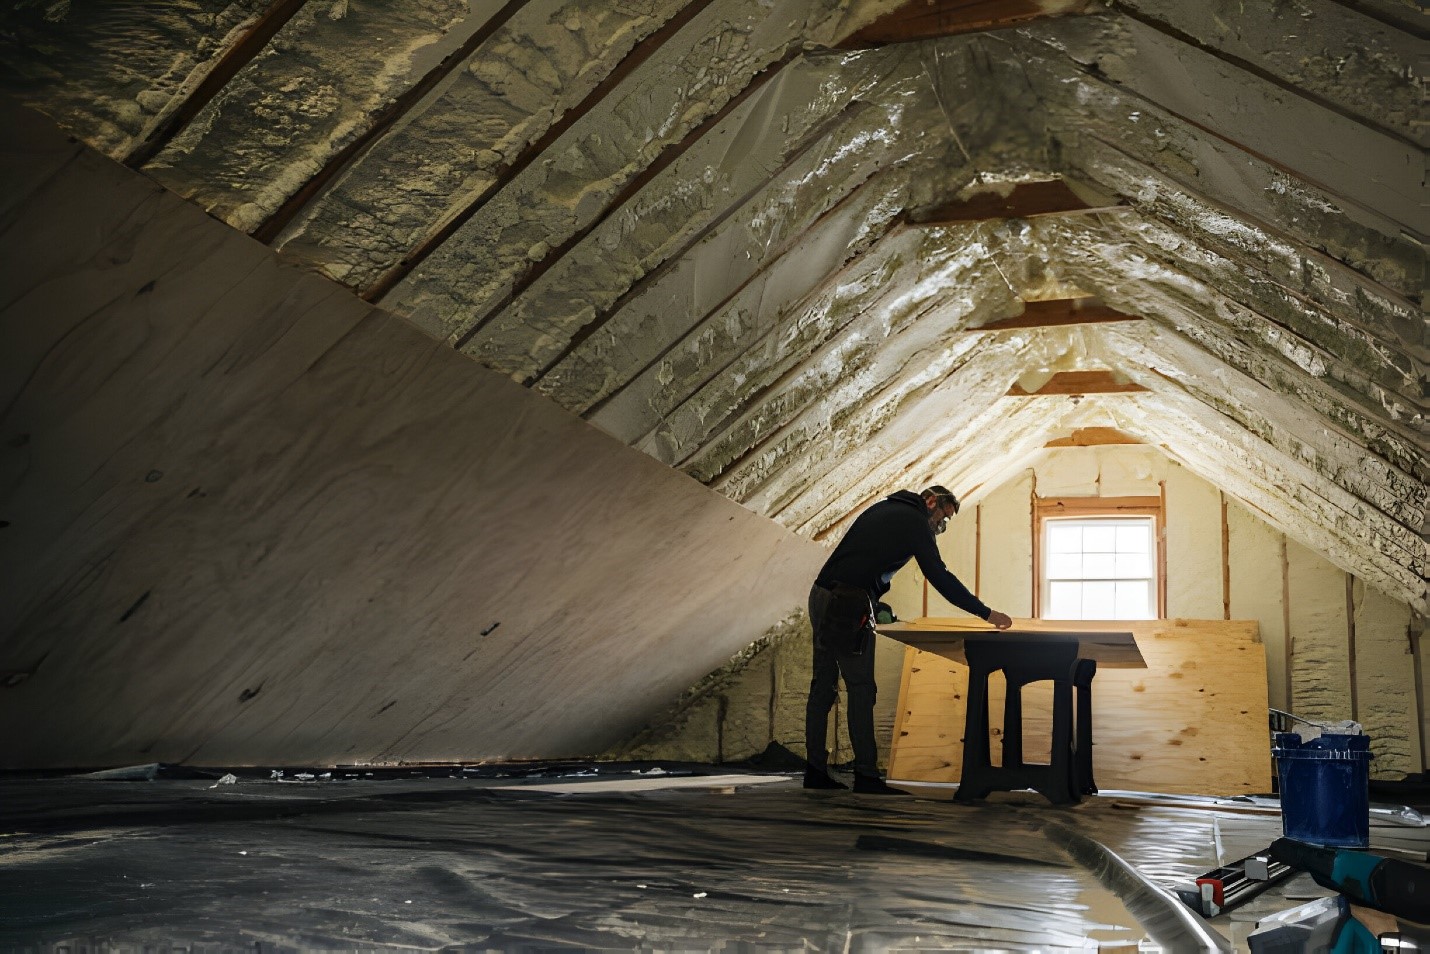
pixel 1149 582
pixel 1110 509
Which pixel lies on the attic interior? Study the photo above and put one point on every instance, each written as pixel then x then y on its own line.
pixel 459 397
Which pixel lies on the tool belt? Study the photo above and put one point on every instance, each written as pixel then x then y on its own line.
pixel 847 623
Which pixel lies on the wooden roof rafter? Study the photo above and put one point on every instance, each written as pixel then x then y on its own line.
pixel 930 19
pixel 1026 200
pixel 1079 384
pixel 1094 437
pixel 1056 313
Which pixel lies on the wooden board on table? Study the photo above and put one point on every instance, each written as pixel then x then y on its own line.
pixel 1113 645
pixel 1192 722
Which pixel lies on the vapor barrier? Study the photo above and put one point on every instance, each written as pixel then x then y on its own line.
pixel 600 861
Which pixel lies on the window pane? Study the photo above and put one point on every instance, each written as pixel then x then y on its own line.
pixel 1133 600
pixel 1065 566
pixel 1098 566
pixel 1134 538
pixel 1064 537
pixel 1099 539
pixel 1133 566
pixel 1064 601
pixel 1098 600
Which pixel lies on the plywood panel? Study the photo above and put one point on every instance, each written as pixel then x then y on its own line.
pixel 1193 722
pixel 254 520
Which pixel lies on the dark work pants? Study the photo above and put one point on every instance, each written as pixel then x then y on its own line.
pixel 858 673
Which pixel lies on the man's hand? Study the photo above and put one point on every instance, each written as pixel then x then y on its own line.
pixel 1000 620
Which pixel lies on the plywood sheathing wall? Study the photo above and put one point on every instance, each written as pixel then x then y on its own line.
pixel 250 519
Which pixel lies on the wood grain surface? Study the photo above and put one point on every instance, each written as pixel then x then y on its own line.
pixel 250 519
pixel 1192 722
pixel 945 636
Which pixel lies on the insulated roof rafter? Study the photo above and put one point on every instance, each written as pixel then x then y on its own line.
pixel 816 137
pixel 863 200
pixel 667 156
pixel 1163 26
pixel 1320 362
pixel 379 125
pixel 836 331
pixel 1260 128
pixel 1195 211
pixel 1294 499
pixel 965 440
pixel 454 219
pixel 1394 504
pixel 825 423
pixel 1319 322
pixel 733 359
pixel 182 110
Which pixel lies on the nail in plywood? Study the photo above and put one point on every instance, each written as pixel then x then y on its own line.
pixel 1194 721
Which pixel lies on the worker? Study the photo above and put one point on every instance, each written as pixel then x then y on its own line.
pixel 880 542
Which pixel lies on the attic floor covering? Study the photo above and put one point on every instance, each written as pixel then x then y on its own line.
pixel 647 865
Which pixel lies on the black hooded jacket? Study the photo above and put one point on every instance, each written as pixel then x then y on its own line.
pixel 884 538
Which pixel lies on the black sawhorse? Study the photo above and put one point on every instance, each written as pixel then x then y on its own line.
pixel 1068 776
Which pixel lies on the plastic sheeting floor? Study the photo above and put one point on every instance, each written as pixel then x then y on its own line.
pixel 668 864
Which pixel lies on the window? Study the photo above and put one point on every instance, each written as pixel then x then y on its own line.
pixel 1099 568
pixel 1099 558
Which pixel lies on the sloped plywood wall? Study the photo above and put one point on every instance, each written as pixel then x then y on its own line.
pixel 249 519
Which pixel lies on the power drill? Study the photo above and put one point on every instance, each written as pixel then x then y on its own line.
pixel 1398 888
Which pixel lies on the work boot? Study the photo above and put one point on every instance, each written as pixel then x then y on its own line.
pixel 874 785
pixel 816 778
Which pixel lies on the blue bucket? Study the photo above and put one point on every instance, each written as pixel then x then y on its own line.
pixel 1325 796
